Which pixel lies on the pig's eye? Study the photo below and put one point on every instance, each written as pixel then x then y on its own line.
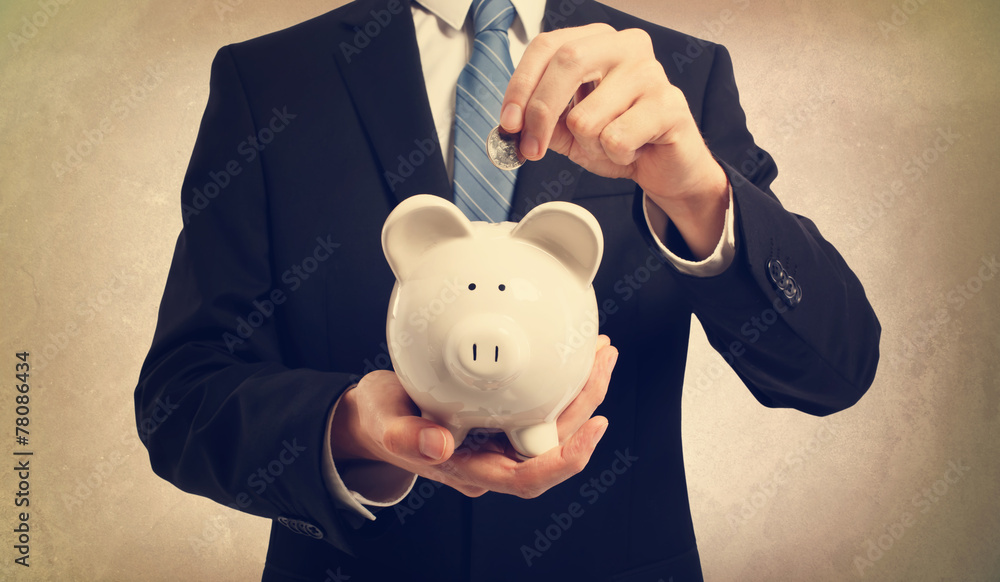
pixel 502 287
pixel 472 286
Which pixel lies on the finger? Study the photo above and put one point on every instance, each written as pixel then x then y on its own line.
pixel 394 422
pixel 451 474
pixel 464 472
pixel 531 478
pixel 532 65
pixel 381 394
pixel 364 413
pixel 585 90
pixel 622 140
pixel 418 440
pixel 576 63
pixel 591 396
pixel 562 138
pixel 536 62
pixel 579 62
pixel 586 120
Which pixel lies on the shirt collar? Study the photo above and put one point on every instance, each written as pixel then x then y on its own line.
pixel 454 13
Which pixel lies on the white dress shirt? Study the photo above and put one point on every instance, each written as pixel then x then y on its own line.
pixel 445 37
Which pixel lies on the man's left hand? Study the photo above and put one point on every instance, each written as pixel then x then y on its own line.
pixel 624 119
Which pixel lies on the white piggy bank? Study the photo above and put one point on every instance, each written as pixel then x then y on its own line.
pixel 493 326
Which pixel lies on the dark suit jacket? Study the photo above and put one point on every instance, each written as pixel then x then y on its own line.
pixel 276 303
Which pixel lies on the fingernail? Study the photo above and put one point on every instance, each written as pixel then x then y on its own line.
pixel 599 434
pixel 613 359
pixel 510 117
pixel 431 443
pixel 529 146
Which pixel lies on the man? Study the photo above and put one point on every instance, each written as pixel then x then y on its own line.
pixel 271 330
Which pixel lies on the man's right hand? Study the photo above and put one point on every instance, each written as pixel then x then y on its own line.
pixel 377 420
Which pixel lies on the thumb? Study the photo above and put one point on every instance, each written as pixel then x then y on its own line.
pixel 418 439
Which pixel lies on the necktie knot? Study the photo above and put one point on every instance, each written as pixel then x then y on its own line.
pixel 492 15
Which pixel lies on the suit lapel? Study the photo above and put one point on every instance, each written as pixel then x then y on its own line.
pixel 570 13
pixel 554 177
pixel 379 60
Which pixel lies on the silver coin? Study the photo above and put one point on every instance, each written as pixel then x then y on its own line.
pixel 502 149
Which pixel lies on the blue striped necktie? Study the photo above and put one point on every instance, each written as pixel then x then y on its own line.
pixel 482 190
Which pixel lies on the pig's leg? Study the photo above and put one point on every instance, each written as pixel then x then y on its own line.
pixel 532 441
pixel 459 433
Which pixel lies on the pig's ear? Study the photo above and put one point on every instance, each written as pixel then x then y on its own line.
pixel 415 226
pixel 567 232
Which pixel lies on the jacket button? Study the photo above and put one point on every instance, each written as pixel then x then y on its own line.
pixel 790 291
pixel 775 271
pixel 302 527
pixel 793 293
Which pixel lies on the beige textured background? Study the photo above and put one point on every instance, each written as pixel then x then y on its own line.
pixel 776 495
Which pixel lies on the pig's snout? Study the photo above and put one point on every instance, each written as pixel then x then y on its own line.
pixel 487 351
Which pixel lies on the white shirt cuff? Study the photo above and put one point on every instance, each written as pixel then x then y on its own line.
pixel 383 484
pixel 714 264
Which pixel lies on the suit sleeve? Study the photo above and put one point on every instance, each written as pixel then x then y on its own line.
pixel 788 314
pixel 241 428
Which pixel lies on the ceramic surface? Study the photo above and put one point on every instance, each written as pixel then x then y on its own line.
pixel 493 326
